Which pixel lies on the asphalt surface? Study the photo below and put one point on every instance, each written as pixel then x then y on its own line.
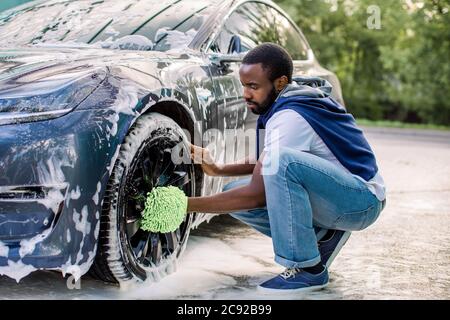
pixel 404 255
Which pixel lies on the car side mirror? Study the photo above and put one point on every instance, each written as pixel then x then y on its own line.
pixel 222 60
pixel 234 54
pixel 235 45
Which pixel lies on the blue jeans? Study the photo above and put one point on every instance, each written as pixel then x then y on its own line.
pixel 305 197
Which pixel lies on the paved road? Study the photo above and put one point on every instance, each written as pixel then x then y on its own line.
pixel 404 255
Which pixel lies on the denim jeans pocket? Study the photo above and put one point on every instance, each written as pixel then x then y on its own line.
pixel 356 220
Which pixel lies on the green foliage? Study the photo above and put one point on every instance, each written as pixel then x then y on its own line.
pixel 400 71
pixel 398 124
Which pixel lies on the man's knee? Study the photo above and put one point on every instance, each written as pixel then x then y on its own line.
pixel 287 156
pixel 280 158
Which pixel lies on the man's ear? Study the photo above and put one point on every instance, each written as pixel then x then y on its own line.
pixel 281 83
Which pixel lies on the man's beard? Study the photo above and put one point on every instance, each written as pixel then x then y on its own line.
pixel 261 108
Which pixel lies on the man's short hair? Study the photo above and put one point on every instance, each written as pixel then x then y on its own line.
pixel 274 59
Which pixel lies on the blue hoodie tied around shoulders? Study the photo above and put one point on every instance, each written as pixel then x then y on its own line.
pixel 310 97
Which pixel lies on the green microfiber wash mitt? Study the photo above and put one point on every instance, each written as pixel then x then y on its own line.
pixel 165 208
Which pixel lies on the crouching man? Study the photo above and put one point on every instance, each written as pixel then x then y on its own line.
pixel 316 177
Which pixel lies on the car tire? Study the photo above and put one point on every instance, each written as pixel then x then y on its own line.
pixel 125 252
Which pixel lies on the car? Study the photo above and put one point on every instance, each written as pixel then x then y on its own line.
pixel 95 96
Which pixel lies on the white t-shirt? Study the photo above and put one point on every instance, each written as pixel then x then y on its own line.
pixel 288 128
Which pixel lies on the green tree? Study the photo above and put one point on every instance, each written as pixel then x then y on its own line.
pixel 399 71
pixel 426 72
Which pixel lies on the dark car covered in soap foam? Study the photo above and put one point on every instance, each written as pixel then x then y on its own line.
pixel 94 97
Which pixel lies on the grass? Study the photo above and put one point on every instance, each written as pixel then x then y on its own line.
pixel 398 124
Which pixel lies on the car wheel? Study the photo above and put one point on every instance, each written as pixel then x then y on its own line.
pixel 125 252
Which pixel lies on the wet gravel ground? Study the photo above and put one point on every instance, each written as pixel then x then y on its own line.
pixel 404 255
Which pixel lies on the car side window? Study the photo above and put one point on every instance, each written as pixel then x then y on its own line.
pixel 256 23
pixel 251 22
pixel 289 37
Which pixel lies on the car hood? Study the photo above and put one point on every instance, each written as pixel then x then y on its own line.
pixel 33 71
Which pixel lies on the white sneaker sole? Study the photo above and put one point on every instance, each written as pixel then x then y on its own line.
pixel 289 291
pixel 338 248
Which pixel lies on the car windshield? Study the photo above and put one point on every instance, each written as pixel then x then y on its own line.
pixel 131 24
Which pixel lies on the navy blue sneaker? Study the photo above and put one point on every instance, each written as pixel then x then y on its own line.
pixel 330 248
pixel 295 280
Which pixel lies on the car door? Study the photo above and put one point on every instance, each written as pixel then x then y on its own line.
pixel 247 24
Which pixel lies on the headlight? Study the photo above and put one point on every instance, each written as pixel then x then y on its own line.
pixel 46 99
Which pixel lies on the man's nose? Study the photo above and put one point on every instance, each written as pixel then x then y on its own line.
pixel 247 94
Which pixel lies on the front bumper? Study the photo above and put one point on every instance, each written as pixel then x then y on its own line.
pixel 52 178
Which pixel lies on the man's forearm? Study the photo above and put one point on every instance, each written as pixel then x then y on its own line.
pixel 235 169
pixel 239 168
pixel 241 198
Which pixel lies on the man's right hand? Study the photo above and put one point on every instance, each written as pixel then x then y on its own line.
pixel 203 157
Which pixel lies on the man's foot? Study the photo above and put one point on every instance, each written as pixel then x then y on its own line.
pixel 295 280
pixel 333 243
